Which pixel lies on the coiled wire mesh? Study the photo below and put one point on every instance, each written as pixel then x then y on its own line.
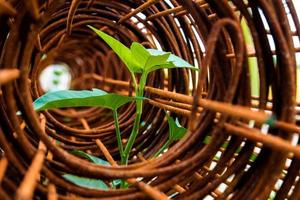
pixel 249 155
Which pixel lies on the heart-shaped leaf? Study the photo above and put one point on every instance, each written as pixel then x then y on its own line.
pixel 86 182
pixel 172 62
pixel 121 50
pixel 154 61
pixel 83 98
pixel 140 53
pixel 97 161
pixel 89 157
pixel 148 61
pixel 176 131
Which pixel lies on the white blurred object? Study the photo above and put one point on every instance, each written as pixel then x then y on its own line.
pixel 55 77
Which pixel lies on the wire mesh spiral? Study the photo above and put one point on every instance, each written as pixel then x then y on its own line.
pixel 240 145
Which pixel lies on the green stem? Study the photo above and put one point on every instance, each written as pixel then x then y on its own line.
pixel 162 148
pixel 117 127
pixel 134 82
pixel 134 132
pixel 139 109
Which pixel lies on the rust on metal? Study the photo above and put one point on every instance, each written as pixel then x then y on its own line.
pixel 7 75
pixel 7 8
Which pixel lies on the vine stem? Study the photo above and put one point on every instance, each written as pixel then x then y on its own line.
pixel 118 133
pixel 136 126
pixel 134 82
pixel 134 132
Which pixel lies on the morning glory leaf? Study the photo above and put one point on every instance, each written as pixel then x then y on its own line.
pixel 176 61
pixel 83 98
pixel 147 60
pixel 89 157
pixel 140 53
pixel 176 131
pixel 121 50
pixel 97 161
pixel 167 65
pixel 155 61
pixel 86 182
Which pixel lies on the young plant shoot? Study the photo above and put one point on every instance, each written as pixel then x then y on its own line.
pixel 138 60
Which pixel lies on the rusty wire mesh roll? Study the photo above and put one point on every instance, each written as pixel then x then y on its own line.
pixel 216 102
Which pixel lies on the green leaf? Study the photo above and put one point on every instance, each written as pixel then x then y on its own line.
pixel 154 62
pixel 138 59
pixel 116 183
pixel 121 50
pixel 140 53
pixel 145 59
pixel 72 98
pixel 89 157
pixel 172 62
pixel 97 161
pixel 86 182
pixel 176 131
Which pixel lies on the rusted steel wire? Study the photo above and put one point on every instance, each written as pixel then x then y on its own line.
pixel 235 147
pixel 6 8
pixel 7 75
